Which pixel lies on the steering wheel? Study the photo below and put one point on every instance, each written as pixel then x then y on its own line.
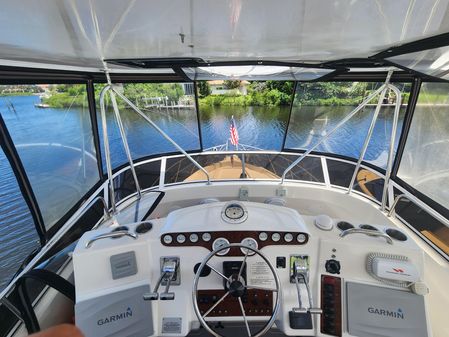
pixel 236 288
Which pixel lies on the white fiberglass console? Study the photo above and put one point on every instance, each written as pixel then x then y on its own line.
pixel 254 264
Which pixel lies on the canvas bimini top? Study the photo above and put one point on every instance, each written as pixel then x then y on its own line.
pixel 78 35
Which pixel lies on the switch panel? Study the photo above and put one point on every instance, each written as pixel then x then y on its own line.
pixel 331 305
pixel 256 303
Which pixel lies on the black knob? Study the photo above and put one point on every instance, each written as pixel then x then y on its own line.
pixel 329 287
pixel 333 266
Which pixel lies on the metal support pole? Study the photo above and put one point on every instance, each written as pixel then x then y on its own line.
pixel 136 109
pixel 370 131
pixel 107 151
pixel 341 123
pixel 392 139
pixel 94 125
pixel 243 175
pixel 125 143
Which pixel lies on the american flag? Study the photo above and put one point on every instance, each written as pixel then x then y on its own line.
pixel 234 133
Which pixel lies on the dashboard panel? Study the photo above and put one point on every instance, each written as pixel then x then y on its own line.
pixel 184 239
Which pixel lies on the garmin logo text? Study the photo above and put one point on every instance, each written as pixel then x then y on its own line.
pixel 115 318
pixel 394 314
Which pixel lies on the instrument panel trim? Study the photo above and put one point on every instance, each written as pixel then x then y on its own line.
pixel 235 237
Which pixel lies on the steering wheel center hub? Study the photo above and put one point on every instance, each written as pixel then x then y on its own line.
pixel 236 288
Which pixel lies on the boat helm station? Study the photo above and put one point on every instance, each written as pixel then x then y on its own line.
pixel 141 223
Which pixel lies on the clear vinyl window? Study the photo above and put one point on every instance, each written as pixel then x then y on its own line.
pixel 425 161
pixel 51 129
pixel 171 106
pixel 18 236
pixel 257 111
pixel 318 107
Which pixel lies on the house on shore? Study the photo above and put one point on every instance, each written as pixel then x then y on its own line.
pixel 218 87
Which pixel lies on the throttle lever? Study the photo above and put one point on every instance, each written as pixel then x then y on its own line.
pixel 168 272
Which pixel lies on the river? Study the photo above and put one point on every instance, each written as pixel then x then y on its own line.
pixel 260 127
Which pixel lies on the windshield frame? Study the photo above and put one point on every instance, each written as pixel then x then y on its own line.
pixel 35 76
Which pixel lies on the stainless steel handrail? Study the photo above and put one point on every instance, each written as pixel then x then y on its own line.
pixel 107 150
pixel 116 234
pixel 366 232
pixel 105 207
pixel 394 127
pixel 421 205
pixel 370 132
pixel 125 141
pixel 393 206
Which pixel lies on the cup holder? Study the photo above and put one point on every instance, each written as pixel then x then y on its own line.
pixel 368 227
pixel 343 225
pixel 120 228
pixel 144 227
pixel 396 234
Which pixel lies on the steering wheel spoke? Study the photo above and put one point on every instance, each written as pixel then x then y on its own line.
pixel 243 264
pixel 216 304
pixel 217 272
pixel 244 317
pixel 236 286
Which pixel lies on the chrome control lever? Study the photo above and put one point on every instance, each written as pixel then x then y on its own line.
pixel 301 273
pixel 169 268
pixel 168 272
pixel 154 295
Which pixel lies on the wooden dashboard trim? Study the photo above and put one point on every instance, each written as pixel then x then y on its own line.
pixel 234 237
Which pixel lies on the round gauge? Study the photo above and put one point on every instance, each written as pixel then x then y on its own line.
pixel 206 237
pixel 275 237
pixel 193 237
pixel 234 212
pixel 263 236
pixel 288 237
pixel 250 242
pixel 168 239
pixel 181 238
pixel 301 238
pixel 219 243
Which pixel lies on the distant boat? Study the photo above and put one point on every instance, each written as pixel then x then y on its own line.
pixel 41 105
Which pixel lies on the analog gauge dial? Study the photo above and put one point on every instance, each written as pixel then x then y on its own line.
pixel 181 238
pixel 250 242
pixel 206 237
pixel 288 237
pixel 275 237
pixel 234 213
pixel 301 238
pixel 168 239
pixel 193 237
pixel 219 243
pixel 263 236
